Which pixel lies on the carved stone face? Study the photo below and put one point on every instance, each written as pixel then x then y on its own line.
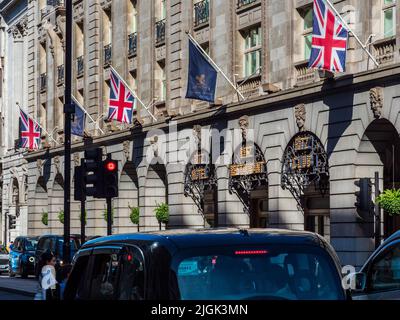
pixel 244 126
pixel 300 115
pixel 197 134
pixel 376 100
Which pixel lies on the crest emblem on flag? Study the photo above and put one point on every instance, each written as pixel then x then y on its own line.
pixel 30 132
pixel 329 40
pixel 121 101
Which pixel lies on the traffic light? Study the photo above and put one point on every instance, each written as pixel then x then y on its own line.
pixel 93 173
pixel 364 202
pixel 110 174
pixel 12 222
pixel 79 184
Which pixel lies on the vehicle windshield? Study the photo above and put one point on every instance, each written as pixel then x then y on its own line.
pixel 30 244
pixel 258 273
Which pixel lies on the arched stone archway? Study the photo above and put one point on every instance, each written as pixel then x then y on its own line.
pixel 379 151
pixel 305 173
pixel 155 193
pixel 56 205
pixel 248 179
pixel 128 199
pixel 40 207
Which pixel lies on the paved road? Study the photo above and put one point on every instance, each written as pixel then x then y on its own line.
pixel 17 287
pixel 12 296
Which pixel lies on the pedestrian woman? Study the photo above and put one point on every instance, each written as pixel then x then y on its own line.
pixel 47 277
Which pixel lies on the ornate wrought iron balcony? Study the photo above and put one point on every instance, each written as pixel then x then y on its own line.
pixel 242 3
pixel 43 82
pixel 80 66
pixel 60 74
pixel 132 44
pixel 201 12
pixel 52 5
pixel 160 31
pixel 107 55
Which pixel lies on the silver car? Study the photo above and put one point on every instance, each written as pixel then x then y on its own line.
pixel 4 260
pixel 379 278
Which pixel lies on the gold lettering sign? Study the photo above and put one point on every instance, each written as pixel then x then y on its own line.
pixel 301 143
pixel 302 162
pixel 199 174
pixel 246 169
pixel 246 152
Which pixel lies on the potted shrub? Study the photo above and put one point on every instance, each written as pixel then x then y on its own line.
pixel 389 201
pixel 61 216
pixel 105 215
pixel 134 216
pixel 85 214
pixel 45 218
pixel 162 213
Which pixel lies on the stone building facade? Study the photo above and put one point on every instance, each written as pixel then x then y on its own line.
pixel 294 119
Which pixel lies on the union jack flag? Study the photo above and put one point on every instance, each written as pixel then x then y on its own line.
pixel 121 102
pixel 329 40
pixel 30 132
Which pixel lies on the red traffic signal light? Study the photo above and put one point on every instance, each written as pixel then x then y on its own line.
pixel 111 165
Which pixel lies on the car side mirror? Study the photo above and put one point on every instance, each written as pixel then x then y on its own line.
pixel 358 281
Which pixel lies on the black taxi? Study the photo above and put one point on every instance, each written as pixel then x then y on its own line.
pixel 226 264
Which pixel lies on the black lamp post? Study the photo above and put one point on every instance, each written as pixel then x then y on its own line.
pixel 68 112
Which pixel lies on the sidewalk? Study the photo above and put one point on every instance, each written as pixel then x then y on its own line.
pixel 26 287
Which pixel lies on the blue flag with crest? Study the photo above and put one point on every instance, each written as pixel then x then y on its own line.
pixel 202 78
pixel 78 124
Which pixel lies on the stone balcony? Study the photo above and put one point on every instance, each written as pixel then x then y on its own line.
pixel 251 87
pixel 385 50
pixel 304 75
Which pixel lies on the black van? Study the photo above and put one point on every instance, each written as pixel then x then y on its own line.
pixel 207 265
pixel 54 243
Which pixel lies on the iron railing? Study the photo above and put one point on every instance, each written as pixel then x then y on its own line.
pixel 132 44
pixel 60 74
pixel 107 55
pixel 242 3
pixel 201 12
pixel 80 66
pixel 160 31
pixel 51 4
pixel 43 82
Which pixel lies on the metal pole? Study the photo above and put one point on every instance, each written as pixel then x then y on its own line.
pixel 83 222
pixel 351 31
pixel 109 217
pixel 377 213
pixel 5 228
pixel 68 111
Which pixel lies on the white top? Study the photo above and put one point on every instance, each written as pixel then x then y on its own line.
pixel 48 277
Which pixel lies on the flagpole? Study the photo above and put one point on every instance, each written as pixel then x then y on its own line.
pixel 87 113
pixel 351 31
pixel 219 70
pixel 134 94
pixel 48 134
